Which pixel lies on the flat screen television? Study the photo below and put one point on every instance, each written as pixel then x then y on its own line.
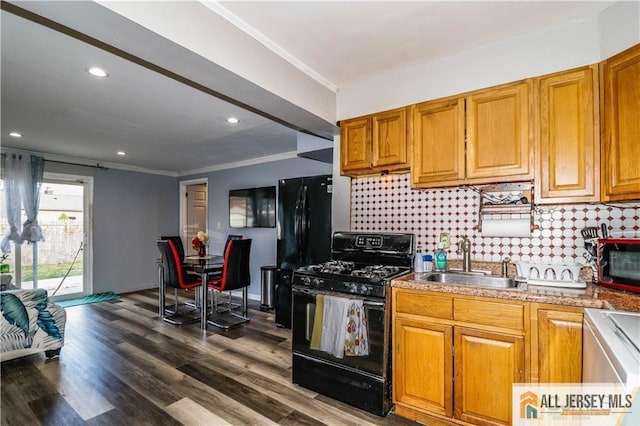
pixel 252 207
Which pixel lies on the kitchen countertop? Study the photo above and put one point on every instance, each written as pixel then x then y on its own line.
pixel 592 296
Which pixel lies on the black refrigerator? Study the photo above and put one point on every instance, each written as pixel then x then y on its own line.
pixel 304 233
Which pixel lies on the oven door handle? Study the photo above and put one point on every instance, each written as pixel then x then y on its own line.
pixel 365 302
pixel 297 290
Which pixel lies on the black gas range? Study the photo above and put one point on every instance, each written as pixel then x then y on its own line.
pixel 361 267
pixel 348 277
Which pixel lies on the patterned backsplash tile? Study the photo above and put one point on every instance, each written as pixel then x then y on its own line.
pixel 388 204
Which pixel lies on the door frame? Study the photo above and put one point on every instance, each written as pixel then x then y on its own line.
pixel 87 206
pixel 183 204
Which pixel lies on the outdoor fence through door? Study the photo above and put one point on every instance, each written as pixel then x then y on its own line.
pixel 44 264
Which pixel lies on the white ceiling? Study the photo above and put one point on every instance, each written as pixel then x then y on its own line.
pixel 346 41
pixel 165 125
pixel 160 123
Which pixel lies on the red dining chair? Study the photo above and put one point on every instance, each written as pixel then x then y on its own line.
pixel 171 274
pixel 235 275
pixel 177 241
pixel 230 237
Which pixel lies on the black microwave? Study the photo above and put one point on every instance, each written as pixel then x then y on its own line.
pixel 619 263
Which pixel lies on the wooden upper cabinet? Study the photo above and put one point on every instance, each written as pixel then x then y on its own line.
pixel 621 126
pixel 480 137
pixel 390 138
pixel 355 144
pixel 499 145
pixel 438 142
pixel 567 137
pixel 375 143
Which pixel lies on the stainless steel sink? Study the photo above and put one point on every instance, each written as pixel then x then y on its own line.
pixel 492 281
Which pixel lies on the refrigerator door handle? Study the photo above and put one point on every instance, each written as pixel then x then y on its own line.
pixel 298 223
pixel 305 226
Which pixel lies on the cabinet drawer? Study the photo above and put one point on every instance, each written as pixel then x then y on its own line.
pixel 425 305
pixel 507 315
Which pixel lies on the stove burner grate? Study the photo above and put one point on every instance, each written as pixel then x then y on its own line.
pixel 333 267
pixel 376 271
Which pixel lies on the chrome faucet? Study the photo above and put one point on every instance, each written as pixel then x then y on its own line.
pixel 464 246
pixel 505 267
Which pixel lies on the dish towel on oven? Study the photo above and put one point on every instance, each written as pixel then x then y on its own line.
pixel 356 341
pixel 334 325
pixel 340 327
pixel 316 334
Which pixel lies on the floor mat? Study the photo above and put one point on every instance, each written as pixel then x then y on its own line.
pixel 94 298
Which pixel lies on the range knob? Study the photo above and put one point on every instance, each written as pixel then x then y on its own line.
pixel 306 280
pixel 316 281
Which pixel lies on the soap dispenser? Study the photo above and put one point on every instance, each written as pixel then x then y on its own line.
pixel 440 258
pixel 418 264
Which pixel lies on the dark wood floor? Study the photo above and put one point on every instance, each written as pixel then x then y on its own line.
pixel 122 365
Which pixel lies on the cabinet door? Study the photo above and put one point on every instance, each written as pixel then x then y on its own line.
pixel 422 365
pixel 438 143
pixel 499 144
pixel 559 346
pixel 486 365
pixel 355 145
pixel 567 142
pixel 390 139
pixel 621 135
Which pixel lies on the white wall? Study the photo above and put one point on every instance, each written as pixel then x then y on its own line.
pixel 619 27
pixel 341 200
pixel 199 29
pixel 571 45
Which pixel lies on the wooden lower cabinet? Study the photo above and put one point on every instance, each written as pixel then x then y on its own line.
pixel 422 384
pixel 455 357
pixel 557 344
pixel 486 366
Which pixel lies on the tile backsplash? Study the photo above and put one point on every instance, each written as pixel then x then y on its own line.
pixel 388 204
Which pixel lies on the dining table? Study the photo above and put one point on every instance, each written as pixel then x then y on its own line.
pixel 206 266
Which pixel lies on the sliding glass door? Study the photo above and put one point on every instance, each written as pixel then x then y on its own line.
pixel 62 263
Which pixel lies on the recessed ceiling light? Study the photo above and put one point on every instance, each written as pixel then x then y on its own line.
pixel 232 120
pixel 122 153
pixel 97 72
pixel 15 134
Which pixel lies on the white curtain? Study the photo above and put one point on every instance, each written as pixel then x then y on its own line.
pixel 12 201
pixel 32 172
pixel 22 188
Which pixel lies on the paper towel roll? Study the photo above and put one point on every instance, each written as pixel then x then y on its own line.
pixel 506 228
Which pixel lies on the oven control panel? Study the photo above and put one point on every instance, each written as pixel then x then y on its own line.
pixel 369 241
